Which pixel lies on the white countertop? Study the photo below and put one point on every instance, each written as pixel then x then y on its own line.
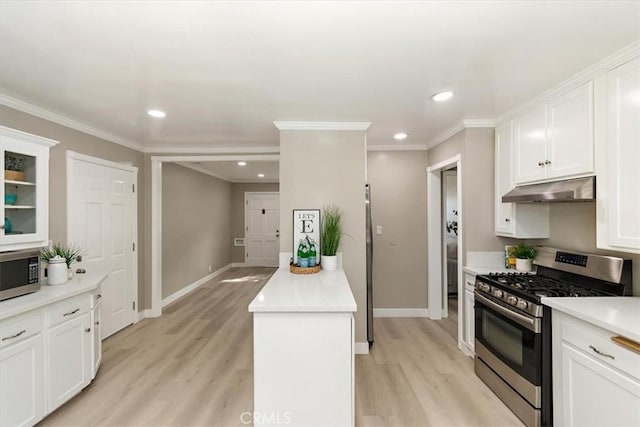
pixel 49 294
pixel 474 269
pixel 617 314
pixel 326 291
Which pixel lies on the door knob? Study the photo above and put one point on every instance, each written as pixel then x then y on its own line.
pixel 277 233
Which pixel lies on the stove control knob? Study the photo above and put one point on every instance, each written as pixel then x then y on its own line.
pixel 497 293
pixel 512 300
pixel 522 304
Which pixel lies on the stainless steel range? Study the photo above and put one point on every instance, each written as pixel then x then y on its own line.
pixel 513 328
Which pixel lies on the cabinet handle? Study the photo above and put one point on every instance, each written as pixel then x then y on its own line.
pixel 88 330
pixel 71 312
pixel 540 163
pixel 547 162
pixel 97 323
pixel 601 353
pixel 98 296
pixel 24 331
pixel 507 219
pixel 627 343
pixel 1 226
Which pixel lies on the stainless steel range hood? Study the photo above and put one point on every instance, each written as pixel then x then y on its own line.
pixel 568 190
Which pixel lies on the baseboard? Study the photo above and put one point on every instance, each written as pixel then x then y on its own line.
pixel 142 315
pixel 195 285
pixel 238 264
pixel 361 348
pixel 400 312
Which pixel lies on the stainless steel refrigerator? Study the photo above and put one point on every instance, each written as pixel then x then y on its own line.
pixel 367 195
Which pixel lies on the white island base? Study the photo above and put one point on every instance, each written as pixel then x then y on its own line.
pixel 303 333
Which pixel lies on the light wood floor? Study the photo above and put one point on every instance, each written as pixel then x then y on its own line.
pixel 193 367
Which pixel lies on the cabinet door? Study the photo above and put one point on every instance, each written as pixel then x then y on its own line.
pixel 28 215
pixel 469 320
pixel 22 383
pixel 69 359
pixel 530 133
pixel 96 339
pixel 504 220
pixel 570 148
pixel 623 156
pixel 594 394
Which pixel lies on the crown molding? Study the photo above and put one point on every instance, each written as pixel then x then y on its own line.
pixel 479 123
pixel 173 149
pixel 442 137
pixel 205 171
pixel 399 147
pixel 617 58
pixel 322 125
pixel 25 107
pixel 25 136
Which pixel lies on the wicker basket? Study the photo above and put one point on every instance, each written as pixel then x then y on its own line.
pixel 304 270
pixel 13 175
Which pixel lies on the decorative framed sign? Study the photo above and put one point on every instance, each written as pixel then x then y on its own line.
pixel 306 223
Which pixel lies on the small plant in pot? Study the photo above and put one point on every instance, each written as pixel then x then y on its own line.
pixel 330 237
pixel 59 259
pixel 524 256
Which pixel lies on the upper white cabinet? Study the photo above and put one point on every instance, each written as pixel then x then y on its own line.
pixel 24 190
pixel 617 100
pixel 527 221
pixel 555 140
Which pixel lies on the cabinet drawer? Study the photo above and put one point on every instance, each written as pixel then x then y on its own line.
pixel 68 309
pixel 597 342
pixel 14 330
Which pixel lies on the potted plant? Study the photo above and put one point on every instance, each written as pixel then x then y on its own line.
pixel 330 237
pixel 524 256
pixel 59 259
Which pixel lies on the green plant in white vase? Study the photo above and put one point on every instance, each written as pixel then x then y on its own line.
pixel 524 257
pixel 330 237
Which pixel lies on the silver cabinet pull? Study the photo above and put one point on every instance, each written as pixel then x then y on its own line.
pixel 601 353
pixel 88 330
pixel 507 219
pixel 540 163
pixel 98 296
pixel 71 312
pixel 547 162
pixel 22 332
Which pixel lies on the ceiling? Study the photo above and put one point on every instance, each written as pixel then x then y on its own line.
pixel 232 172
pixel 225 71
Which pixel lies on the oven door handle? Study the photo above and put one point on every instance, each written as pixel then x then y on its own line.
pixel 531 323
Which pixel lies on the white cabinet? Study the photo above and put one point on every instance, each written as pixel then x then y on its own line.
pixel 25 179
pixel 468 318
pixel 69 361
pixel 22 392
pixel 596 382
pixel 96 348
pixel 555 140
pixel 618 158
pixel 527 221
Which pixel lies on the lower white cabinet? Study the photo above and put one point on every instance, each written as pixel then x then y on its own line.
pixel 468 330
pixel 47 356
pixel 96 348
pixel 70 348
pixel 596 382
pixel 22 393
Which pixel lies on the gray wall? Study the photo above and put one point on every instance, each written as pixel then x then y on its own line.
pixel 237 212
pixel 399 204
pixel 90 145
pixel 196 226
pixel 319 168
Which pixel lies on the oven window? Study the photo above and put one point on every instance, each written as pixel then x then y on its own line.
pixel 503 337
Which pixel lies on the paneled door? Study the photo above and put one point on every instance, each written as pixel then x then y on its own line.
pixel 101 217
pixel 262 220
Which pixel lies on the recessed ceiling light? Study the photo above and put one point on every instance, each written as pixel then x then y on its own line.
pixel 242 163
pixel 260 175
pixel 400 136
pixel 157 114
pixel 442 96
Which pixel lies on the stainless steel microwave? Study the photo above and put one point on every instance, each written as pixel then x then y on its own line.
pixel 19 273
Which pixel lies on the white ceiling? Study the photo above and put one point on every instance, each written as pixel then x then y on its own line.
pixel 232 172
pixel 224 71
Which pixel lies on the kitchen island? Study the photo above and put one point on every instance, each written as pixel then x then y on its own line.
pixel 303 334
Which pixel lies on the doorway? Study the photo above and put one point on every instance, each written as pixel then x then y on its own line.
pixel 262 222
pixel 450 242
pixel 437 250
pixel 102 220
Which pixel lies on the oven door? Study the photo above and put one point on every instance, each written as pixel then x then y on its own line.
pixel 510 336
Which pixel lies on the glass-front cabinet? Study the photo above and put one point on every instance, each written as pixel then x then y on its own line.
pixel 24 193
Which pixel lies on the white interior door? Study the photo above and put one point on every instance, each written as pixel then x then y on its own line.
pixel 101 221
pixel 262 219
